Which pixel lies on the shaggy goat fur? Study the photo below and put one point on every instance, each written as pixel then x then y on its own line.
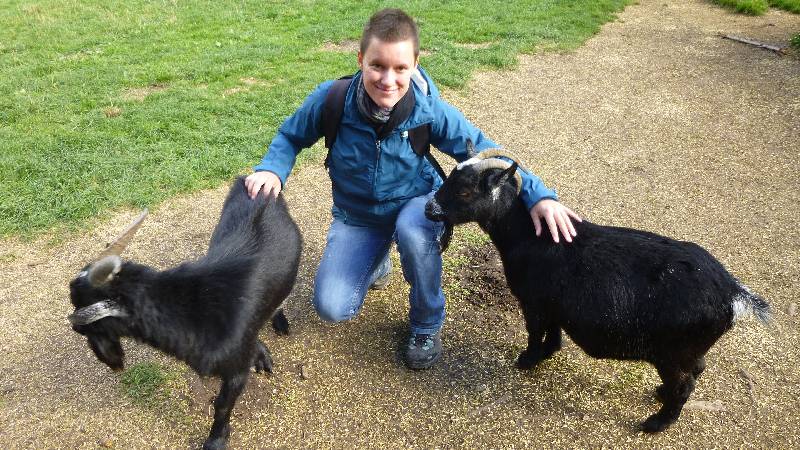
pixel 617 292
pixel 208 312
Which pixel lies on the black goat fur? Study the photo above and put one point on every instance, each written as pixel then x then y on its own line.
pixel 618 293
pixel 207 312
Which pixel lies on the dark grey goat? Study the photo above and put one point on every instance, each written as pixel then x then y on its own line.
pixel 617 292
pixel 208 312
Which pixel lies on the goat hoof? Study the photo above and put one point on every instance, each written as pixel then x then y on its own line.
pixel 527 361
pixel 280 323
pixel 654 424
pixel 550 352
pixel 263 363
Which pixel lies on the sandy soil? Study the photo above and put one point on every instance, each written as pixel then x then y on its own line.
pixel 656 123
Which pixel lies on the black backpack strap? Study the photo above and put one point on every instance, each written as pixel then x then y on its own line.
pixel 332 112
pixel 420 138
pixel 435 164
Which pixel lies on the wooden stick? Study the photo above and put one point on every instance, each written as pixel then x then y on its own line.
pixel 774 48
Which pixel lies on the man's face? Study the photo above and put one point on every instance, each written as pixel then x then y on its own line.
pixel 387 69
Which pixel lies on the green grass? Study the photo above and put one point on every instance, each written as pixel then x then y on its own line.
pixel 759 7
pixel 79 138
pixel 158 388
pixel 145 383
pixel 751 7
pixel 788 5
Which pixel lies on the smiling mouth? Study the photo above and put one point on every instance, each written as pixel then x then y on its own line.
pixel 386 91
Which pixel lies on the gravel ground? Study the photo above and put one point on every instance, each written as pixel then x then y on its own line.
pixel 656 123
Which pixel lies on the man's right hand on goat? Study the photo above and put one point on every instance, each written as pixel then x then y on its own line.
pixel 265 180
pixel 556 216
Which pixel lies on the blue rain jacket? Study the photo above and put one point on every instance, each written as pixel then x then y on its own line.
pixel 372 179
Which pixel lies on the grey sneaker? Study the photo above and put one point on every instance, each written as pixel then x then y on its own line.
pixel 383 281
pixel 423 350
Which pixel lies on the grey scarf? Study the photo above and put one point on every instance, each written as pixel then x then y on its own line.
pixel 369 109
pixel 384 120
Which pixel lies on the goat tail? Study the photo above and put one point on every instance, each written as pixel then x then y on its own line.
pixel 746 301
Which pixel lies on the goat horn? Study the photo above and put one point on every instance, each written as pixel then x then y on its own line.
pixel 474 158
pixel 490 159
pixel 501 153
pixel 493 153
pixel 119 245
pixel 95 312
pixel 496 163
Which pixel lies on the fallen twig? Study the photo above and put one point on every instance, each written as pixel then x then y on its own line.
pixel 753 42
pixel 750 384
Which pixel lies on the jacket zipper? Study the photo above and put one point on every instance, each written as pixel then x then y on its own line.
pixel 377 168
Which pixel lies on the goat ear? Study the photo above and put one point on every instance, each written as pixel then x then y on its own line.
pixel 470 149
pixel 507 173
pixel 104 270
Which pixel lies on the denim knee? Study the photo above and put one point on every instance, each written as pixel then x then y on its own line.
pixel 333 311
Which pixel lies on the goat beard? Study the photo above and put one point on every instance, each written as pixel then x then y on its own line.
pixel 447 235
pixel 108 350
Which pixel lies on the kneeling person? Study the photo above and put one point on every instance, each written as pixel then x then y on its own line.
pixel 380 185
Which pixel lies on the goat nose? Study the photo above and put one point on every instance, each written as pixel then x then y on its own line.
pixel 433 211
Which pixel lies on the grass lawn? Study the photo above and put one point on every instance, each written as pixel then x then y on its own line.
pixel 123 104
pixel 758 7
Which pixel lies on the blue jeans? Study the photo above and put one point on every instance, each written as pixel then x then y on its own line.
pixel 355 257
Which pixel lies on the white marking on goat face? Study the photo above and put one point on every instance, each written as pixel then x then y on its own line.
pixel 495 193
pixel 468 162
pixel 83 273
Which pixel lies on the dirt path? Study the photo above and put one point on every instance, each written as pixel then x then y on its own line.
pixel 656 123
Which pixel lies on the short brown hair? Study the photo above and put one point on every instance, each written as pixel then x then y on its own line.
pixel 390 25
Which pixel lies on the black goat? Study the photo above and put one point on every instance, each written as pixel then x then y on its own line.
pixel 617 292
pixel 208 312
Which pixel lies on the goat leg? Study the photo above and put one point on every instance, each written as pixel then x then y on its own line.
pixel 678 386
pixel 532 355
pixel 262 358
pixel 697 370
pixel 280 323
pixel 229 392
pixel 552 341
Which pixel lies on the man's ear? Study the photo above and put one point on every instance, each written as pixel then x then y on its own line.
pixel 360 60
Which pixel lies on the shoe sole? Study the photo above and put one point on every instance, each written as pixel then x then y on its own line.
pixel 423 365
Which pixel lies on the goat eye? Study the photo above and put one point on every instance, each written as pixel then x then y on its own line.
pixel 465 194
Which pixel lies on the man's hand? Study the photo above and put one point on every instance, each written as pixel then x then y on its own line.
pixel 265 180
pixel 557 216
